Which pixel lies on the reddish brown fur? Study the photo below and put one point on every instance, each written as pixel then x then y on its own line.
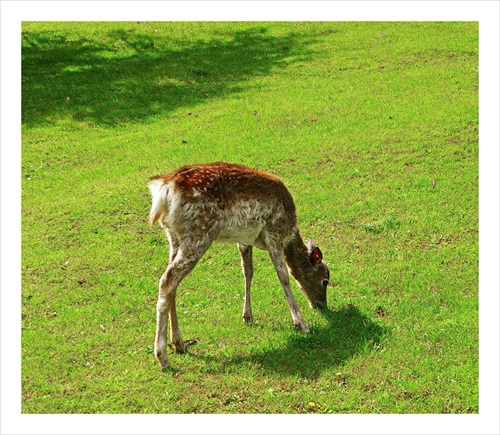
pixel 227 183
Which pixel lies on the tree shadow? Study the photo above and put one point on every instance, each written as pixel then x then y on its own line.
pixel 348 332
pixel 129 75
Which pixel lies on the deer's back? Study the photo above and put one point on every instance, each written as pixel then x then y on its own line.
pixel 227 199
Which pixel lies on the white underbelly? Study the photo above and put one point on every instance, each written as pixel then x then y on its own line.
pixel 245 235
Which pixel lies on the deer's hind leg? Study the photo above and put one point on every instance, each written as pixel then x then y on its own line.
pixel 174 245
pixel 247 266
pixel 183 262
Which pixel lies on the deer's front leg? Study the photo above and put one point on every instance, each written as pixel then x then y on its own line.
pixel 278 259
pixel 247 266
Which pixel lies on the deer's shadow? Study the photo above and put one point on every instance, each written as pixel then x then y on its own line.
pixel 347 332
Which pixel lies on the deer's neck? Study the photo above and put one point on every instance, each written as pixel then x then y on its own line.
pixel 297 257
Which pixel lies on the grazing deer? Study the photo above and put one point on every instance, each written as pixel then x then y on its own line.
pixel 222 202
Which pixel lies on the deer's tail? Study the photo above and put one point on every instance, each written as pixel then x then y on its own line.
pixel 159 191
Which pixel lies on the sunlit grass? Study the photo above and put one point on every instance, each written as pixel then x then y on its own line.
pixel 374 129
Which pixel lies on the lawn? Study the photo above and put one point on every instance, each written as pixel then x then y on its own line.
pixel 374 129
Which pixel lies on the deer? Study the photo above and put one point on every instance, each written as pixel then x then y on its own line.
pixel 200 204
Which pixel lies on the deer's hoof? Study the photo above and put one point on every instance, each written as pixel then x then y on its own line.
pixel 162 359
pixel 248 319
pixel 181 346
pixel 303 327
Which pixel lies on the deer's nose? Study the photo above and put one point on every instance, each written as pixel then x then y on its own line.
pixel 319 305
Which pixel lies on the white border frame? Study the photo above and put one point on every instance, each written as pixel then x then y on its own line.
pixel 14 12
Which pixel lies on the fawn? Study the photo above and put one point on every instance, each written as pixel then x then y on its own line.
pixel 223 202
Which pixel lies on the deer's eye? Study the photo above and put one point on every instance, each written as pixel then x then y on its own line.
pixel 325 282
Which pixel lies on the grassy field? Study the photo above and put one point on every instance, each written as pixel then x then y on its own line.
pixel 374 129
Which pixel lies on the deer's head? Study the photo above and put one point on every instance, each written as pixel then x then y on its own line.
pixel 310 272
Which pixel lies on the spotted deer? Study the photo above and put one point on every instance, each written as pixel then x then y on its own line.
pixel 223 202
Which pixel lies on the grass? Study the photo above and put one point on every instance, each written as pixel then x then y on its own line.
pixel 374 129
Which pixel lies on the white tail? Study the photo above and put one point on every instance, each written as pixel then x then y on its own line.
pixel 159 192
pixel 222 202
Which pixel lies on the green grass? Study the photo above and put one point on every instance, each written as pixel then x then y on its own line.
pixel 374 129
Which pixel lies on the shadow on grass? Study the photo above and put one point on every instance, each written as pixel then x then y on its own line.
pixel 130 75
pixel 348 332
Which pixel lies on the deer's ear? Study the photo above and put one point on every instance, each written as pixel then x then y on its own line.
pixel 316 256
pixel 310 245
